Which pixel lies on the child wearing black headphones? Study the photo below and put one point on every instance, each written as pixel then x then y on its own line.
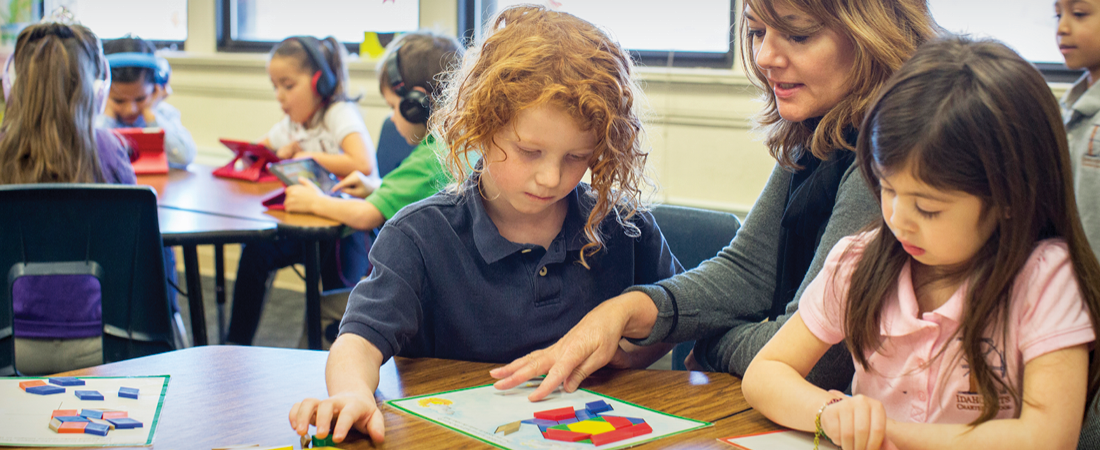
pixel 323 123
pixel 139 85
pixel 407 80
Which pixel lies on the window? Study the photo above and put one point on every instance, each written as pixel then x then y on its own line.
pixel 163 21
pixel 1027 26
pixel 685 32
pixel 255 25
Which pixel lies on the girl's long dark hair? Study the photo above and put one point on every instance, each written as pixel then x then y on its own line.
pixel 975 117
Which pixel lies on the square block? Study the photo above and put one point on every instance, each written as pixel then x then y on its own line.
pixel 67 381
pixel 29 384
pixel 72 427
pixel 92 413
pixel 89 395
pixel 64 412
pixel 556 414
pixel 47 389
pixel 584 414
pixel 326 442
pixel 618 422
pixel 597 406
pixel 115 414
pixel 71 419
pixel 565 435
pixel 591 427
pixel 124 423
pixel 126 392
pixel 611 436
pixel 96 429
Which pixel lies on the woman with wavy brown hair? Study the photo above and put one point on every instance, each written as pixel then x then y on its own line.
pixel 819 64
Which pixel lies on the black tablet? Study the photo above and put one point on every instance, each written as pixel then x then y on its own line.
pixel 289 170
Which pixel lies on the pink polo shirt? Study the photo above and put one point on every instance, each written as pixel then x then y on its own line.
pixel 915 385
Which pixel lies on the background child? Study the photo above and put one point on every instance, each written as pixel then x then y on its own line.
pixel 975 297
pixel 520 242
pixel 1079 39
pixel 418 59
pixel 323 123
pixel 48 137
pixel 139 85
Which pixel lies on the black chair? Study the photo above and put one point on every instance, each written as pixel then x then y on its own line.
pixel 694 235
pixel 392 148
pixel 1090 430
pixel 107 231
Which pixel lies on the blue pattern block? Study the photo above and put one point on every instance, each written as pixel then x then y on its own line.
pixel 634 421
pixel 66 381
pixel 540 422
pixel 96 429
pixel 597 406
pixel 584 414
pixel 125 423
pixel 89 395
pixel 64 419
pixel 92 413
pixel 567 421
pixel 128 392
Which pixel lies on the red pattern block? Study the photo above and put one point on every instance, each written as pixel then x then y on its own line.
pixel 611 436
pixel 618 422
pixel 72 427
pixel 640 429
pixel 564 435
pixel 26 384
pixel 114 415
pixel 64 412
pixel 557 414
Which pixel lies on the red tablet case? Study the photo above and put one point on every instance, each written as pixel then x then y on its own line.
pixel 148 145
pixel 257 170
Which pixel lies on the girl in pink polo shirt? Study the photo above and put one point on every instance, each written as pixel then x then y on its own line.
pixel 970 308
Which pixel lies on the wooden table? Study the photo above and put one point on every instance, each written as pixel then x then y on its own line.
pixel 223 395
pixel 189 229
pixel 198 190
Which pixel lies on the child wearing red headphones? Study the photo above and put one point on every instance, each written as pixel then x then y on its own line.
pixel 323 123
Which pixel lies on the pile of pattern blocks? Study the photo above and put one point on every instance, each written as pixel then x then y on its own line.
pixel 590 425
pixel 97 421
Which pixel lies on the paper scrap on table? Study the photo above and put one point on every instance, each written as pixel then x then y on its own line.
pixel 778 440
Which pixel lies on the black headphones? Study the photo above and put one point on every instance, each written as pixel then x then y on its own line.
pixel 415 105
pixel 324 81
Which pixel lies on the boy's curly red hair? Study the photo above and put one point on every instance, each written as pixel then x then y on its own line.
pixel 533 56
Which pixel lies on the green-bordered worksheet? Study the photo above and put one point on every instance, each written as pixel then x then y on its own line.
pixel 25 417
pixel 507 419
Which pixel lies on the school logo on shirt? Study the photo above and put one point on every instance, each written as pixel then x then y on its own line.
pixel 1091 158
pixel 970 399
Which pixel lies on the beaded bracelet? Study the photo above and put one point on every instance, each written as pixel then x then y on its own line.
pixel 819 432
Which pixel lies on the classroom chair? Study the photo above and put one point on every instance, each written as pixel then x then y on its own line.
pixel 1090 430
pixel 392 150
pixel 110 232
pixel 694 235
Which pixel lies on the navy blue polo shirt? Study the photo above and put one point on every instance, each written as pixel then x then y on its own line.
pixel 446 284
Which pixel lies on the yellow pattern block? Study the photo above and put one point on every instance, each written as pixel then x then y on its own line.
pixel 591 427
pixel 424 402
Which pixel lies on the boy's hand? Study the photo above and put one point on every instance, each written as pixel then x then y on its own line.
pixel 856 423
pixel 358 185
pixel 301 197
pixel 350 409
pixel 289 150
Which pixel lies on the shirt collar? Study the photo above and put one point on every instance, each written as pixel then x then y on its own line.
pixel 493 247
pixel 1085 100
pixel 901 314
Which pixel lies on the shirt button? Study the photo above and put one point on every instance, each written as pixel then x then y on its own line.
pixel 542 271
pixel 922 396
pixel 526 250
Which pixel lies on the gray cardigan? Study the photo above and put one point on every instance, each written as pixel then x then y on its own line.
pixel 722 303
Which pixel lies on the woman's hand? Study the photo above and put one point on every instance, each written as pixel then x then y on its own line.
pixel 349 409
pixel 590 345
pixel 301 197
pixel 855 423
pixel 358 185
